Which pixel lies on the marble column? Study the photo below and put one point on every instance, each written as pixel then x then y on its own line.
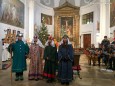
pixel 104 18
pixel 31 19
pixel 26 27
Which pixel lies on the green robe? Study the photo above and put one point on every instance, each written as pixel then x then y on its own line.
pixel 19 50
pixel 50 64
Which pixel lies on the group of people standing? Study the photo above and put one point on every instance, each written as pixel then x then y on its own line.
pixel 60 59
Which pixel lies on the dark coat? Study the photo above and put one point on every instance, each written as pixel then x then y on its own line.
pixel 20 50
pixel 65 58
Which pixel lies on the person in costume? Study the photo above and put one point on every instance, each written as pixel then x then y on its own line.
pixel 35 54
pixel 20 50
pixel 56 43
pixel 5 53
pixel 50 55
pixel 65 60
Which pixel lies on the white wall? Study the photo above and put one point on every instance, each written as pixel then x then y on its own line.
pixel 92 27
pixel 5 27
pixel 39 8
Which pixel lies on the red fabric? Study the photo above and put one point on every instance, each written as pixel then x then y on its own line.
pixel 86 52
pixel 114 39
pixel 50 37
pixel 76 68
pixel 49 75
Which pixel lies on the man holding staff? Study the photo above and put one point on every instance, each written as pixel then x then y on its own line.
pixel 20 50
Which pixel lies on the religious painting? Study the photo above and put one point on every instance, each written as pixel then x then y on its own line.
pixel 12 12
pixel 47 19
pixel 112 13
pixel 67 26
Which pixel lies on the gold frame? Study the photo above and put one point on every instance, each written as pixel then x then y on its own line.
pixel 67 10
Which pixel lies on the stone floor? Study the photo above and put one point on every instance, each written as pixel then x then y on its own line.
pixel 91 76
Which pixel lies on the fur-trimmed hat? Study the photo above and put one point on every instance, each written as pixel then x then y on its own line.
pixel 20 35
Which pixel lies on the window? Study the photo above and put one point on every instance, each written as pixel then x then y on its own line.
pixel 87 18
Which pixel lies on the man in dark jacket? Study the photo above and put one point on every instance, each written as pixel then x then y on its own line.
pixel 105 42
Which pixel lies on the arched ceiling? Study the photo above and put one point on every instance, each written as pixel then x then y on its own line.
pixel 49 3
pixel 70 1
pixel 56 3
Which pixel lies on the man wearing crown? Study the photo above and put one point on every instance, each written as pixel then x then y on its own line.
pixel 65 60
pixel 50 57
pixel 35 54
pixel 20 50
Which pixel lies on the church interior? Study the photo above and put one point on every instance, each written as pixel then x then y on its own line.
pixel 86 23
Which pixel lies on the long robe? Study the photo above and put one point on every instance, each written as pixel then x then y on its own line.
pixel 20 50
pixel 5 53
pixel 50 64
pixel 36 66
pixel 65 58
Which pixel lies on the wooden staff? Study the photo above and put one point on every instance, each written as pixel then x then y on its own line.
pixel 11 64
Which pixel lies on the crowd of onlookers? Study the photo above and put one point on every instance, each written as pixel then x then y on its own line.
pixel 105 54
